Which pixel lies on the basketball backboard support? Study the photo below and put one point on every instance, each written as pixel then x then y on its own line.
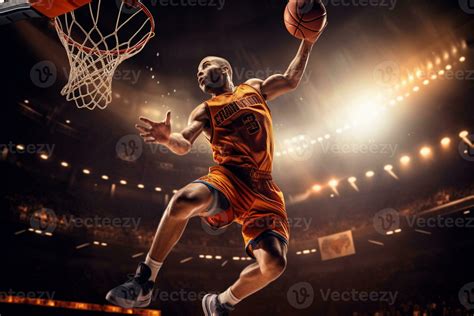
pixel 12 11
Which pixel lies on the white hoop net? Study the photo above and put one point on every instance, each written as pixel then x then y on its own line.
pixel 94 54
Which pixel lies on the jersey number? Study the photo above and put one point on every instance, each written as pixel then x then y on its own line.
pixel 251 123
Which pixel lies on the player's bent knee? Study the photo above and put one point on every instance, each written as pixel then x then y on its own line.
pixel 184 202
pixel 273 268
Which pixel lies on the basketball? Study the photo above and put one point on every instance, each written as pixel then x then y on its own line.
pixel 305 19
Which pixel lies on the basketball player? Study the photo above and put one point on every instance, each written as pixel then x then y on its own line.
pixel 238 123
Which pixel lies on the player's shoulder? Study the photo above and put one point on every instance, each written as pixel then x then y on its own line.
pixel 254 83
pixel 200 112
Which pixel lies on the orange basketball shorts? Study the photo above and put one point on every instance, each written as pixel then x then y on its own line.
pixel 254 201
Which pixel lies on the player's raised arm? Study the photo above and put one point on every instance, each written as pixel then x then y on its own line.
pixel 179 143
pixel 279 84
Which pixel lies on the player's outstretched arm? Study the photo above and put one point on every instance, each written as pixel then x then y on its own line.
pixel 179 143
pixel 279 84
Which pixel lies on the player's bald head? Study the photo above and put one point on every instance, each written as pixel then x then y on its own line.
pixel 219 61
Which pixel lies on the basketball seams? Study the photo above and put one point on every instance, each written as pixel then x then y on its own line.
pixel 305 24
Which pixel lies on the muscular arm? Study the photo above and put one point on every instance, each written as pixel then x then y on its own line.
pixel 279 84
pixel 179 143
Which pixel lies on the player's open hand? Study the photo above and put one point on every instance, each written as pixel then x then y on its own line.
pixel 155 132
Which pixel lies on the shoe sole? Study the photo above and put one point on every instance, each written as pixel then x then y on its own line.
pixel 206 310
pixel 124 303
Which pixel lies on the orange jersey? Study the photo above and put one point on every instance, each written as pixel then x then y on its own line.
pixel 242 131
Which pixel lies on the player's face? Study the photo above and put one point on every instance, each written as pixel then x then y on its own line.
pixel 211 76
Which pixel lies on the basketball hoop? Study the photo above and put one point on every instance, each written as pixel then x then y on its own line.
pixel 94 56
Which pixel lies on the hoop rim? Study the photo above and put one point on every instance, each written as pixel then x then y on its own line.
pixel 135 47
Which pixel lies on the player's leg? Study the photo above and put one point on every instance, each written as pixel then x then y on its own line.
pixel 190 201
pixel 270 253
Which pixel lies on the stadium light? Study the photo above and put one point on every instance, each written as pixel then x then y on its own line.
pixel 86 171
pixel 317 188
pixel 425 152
pixel 123 182
pixel 405 160
pixel 64 164
pixel 352 181
pixel 158 189
pixel 370 174
pixel 44 156
pixel 20 147
pixel 445 142
pixel 105 177
pixel 389 169
pixel 464 134
pixel 141 186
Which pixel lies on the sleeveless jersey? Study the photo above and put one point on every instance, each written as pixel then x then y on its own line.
pixel 241 129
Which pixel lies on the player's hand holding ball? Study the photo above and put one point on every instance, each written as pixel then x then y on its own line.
pixel 305 19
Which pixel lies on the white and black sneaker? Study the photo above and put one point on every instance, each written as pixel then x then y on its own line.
pixel 135 293
pixel 212 307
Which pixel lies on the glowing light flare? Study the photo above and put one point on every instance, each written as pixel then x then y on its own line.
pixel 464 135
pixel 317 188
pixel 370 174
pixel 445 142
pixel 333 183
pixel 352 181
pixel 389 170
pixel 405 160
pixel 425 152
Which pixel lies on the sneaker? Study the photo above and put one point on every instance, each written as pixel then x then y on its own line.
pixel 212 307
pixel 137 292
